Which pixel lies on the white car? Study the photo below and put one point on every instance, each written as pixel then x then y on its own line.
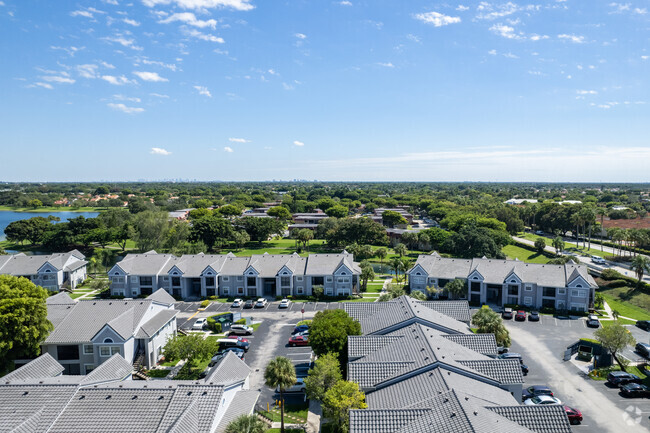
pixel 598 260
pixel 200 324
pixel 284 303
pixel 542 399
pixel 261 303
pixel 237 303
pixel 299 386
pixel 540 232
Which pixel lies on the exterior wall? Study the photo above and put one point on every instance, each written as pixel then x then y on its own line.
pixel 155 344
pixel 226 399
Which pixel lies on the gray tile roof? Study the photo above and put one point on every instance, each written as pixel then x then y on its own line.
pixel 368 374
pixel 153 325
pixel 484 344
pixel 41 367
pixel 208 398
pixel 326 264
pixel 539 418
pixel 161 296
pixel 243 404
pixel 458 310
pixel 87 317
pixel 268 265
pixel 150 263
pixel 363 345
pixel 403 311
pixel 504 370
pixel 495 271
pixel 383 421
pixel 57 312
pixel 228 371
pixel 113 369
pixel 19 404
pixel 61 298
pixel 420 387
pixel 21 264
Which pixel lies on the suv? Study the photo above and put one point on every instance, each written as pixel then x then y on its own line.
pixel 200 324
pixel 618 378
pixel 226 343
pixel 507 313
pixel 592 321
pixel 521 315
pixel 241 330
pixel 598 260
pixel 643 324
pixel 299 386
pixel 643 349
pixel 536 390
pixel 261 303
pixel 248 303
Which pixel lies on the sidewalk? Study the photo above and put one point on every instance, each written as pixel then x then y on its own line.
pixel 608 311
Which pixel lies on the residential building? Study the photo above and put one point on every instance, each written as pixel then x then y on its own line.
pixel 88 332
pixel 310 217
pixel 36 398
pixel 203 275
pixel 501 282
pixel 377 216
pixel 53 271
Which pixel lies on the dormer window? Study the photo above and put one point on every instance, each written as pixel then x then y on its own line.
pixel 108 340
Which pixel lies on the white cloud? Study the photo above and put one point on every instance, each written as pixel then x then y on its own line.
pixel 386 65
pixel 111 2
pixel 436 18
pixel 645 57
pixel 131 22
pixel 298 143
pixel 58 79
pixel 40 84
pixel 128 110
pixel 125 42
pixel 170 66
pixel 116 81
pixel 87 71
pixel 70 50
pixel 80 13
pixel 107 65
pixel 150 76
pixel 345 3
pixel 238 140
pixel 413 38
pixel 190 19
pixel 536 37
pixel 511 56
pixel 286 86
pixel 126 98
pixel 240 5
pixel 640 11
pixel 492 52
pixel 586 92
pixel 203 91
pixel 301 36
pixel 158 95
pixel 573 38
pixel 203 36
pixel 228 149
pixel 159 151
pixel 462 8
pixel 488 11
pixel 505 31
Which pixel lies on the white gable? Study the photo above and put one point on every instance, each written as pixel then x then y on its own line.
pixel 512 278
pixel 418 270
pixel 285 272
pixel 209 272
pixel 343 270
pixel 175 271
pixel 116 271
pixel 475 276
pixel 251 271
pixel 47 268
pixel 578 282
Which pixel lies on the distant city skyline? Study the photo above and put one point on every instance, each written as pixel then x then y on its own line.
pixel 244 90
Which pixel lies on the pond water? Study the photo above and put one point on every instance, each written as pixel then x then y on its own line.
pixel 382 269
pixel 7 217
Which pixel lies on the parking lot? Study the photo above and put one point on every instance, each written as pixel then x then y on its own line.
pixel 542 345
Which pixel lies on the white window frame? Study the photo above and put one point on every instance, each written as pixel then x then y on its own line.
pixel 115 349
pixel 240 290
pixel 561 291
pixel 226 290
pixel 92 367
pixel 91 351
pixel 134 279
pixel 240 278
pixel 528 301
pixel 528 288
pixel 299 290
pixel 298 278
pixel 105 348
pixel 578 293
pixel 328 279
pixel 225 278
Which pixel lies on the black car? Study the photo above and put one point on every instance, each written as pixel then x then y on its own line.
pixel 501 350
pixel 643 349
pixel 635 390
pixel 618 378
pixel 507 313
pixel 511 355
pixel 643 324
pixel 535 390
pixel 248 304
pixel 533 316
pixel 301 328
pixel 237 351
pixel 524 369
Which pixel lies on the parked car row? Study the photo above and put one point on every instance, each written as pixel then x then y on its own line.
pixel 630 384
pixel 520 315
pixel 238 345
pixel 299 336
pixel 542 395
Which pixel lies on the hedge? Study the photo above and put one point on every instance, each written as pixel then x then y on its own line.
pixel 214 326
pixel 240 322
pixel 205 303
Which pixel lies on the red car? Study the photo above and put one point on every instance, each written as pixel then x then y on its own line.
pixel 298 340
pixel 575 416
pixel 234 337
pixel 521 315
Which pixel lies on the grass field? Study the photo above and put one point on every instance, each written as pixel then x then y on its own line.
pixel 525 254
pixel 297 412
pixel 606 323
pixel 568 246
pixel 628 302
pixel 51 209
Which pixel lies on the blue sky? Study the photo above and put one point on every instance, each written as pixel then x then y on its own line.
pixel 328 90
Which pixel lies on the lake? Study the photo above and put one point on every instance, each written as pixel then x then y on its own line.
pixel 7 217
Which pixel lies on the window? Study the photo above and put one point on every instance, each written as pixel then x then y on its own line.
pixel 119 292
pixel 299 290
pixel 240 278
pixel 67 353
pixel 146 281
pixel 106 351
pixel 240 290
pixel 134 279
pixel 209 281
pixel 561 291
pixel 226 278
pixel 578 294
pixel 528 300
pixel 251 281
pixel 89 367
pixel 108 340
pixel 548 292
pixel 529 287
pixel 513 290
pixel 299 278
pixel 343 280
pixel 319 281
pixel 329 279
pixel 418 280
pixel 88 349
pixel 165 278
pixel 117 279
pixel 285 281
pixel 226 291
pixel 443 282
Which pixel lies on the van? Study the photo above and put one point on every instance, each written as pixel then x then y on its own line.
pixel 241 330
pixel 226 343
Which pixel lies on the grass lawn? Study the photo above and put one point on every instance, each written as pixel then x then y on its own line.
pixel 568 246
pixel 52 209
pixel 628 302
pixel 606 323
pixel 76 295
pixel 255 326
pixel 158 373
pixel 369 299
pixel 297 411
pixel 525 254
pixel 374 288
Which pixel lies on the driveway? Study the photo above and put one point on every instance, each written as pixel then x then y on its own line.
pixel 542 345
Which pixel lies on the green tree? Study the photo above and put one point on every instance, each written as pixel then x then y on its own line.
pixel 400 249
pixel 325 374
pixel 489 322
pixel 18 231
pixel 280 212
pixel 456 288
pixel 246 424
pixel 338 402
pixel 337 211
pixel 474 241
pixel 240 238
pixel 329 332
pixel 381 254
pixel 34 203
pixel 416 294
pixel 540 245
pixel 211 230
pixel 280 373
pixel 23 320
pixel 558 244
pixel 640 265
pixel 260 229
pixel 229 211
pixel 304 236
pixel 614 338
pixel 367 273
pixel 150 229
pixel 391 218
pixel 599 300
pixel 191 347
pixel 392 291
pixel 177 235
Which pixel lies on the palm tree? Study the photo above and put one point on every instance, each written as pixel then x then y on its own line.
pixel 640 265
pixel 558 244
pixel 400 249
pixel 381 253
pixel 281 374
pixel 246 424
pixel 601 212
pixel 397 265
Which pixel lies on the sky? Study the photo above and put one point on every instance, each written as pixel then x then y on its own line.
pixel 360 90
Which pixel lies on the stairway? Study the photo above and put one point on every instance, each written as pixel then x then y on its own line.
pixel 139 361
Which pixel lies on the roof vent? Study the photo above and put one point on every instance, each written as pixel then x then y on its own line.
pixel 205 393
pixel 82 397
pixel 26 392
pixel 453 414
pixel 134 397
pixel 161 397
pixel 189 393
pixel 475 413
pixel 108 397
pixel 120 386
pixel 110 303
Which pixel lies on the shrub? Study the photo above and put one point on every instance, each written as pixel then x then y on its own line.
pixel 212 298
pixel 214 326
pixel 240 322
pixel 204 304
pixel 617 283
pixel 611 274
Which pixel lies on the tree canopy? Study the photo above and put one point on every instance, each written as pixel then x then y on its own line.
pixel 324 375
pixel 329 333
pixel 489 322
